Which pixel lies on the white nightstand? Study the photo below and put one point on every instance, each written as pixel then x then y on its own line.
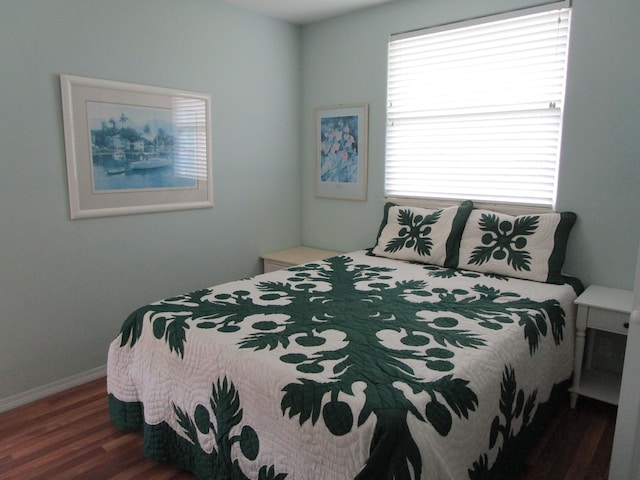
pixel 599 308
pixel 293 256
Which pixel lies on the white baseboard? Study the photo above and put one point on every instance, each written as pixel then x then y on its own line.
pixel 51 388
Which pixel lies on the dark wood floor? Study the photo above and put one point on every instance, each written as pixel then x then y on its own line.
pixel 69 436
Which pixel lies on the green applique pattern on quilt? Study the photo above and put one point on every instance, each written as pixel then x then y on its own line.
pixel 359 301
pixel 513 406
pixel 227 414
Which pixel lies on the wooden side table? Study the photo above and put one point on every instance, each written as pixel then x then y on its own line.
pixel 293 256
pixel 606 309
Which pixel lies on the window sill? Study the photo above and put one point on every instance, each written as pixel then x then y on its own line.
pixel 506 208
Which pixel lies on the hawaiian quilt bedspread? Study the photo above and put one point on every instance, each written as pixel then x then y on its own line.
pixel 353 367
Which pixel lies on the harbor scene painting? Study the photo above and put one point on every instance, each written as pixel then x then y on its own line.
pixel 134 147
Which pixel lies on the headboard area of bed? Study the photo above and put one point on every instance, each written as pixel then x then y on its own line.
pixel 507 208
pixel 514 240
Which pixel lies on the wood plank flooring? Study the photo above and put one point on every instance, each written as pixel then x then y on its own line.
pixel 69 436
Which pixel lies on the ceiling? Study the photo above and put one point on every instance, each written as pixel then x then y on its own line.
pixel 303 12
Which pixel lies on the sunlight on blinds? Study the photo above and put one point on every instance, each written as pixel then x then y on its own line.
pixel 475 112
pixel 190 120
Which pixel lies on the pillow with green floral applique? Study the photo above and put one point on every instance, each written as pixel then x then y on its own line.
pixel 532 247
pixel 422 235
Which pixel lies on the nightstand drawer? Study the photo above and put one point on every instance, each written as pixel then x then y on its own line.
pixel 615 322
pixel 293 256
pixel 272 266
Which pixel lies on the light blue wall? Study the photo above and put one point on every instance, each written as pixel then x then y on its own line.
pixel 344 61
pixel 66 286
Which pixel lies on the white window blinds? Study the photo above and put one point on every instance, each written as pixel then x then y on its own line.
pixel 190 121
pixel 474 109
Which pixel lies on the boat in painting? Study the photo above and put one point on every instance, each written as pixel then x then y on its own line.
pixel 149 163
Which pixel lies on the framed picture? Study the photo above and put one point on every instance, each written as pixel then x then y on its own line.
pixel 134 148
pixel 341 152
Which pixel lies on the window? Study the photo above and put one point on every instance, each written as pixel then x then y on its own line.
pixel 474 109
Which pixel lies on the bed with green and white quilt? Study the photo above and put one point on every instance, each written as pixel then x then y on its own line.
pixel 361 366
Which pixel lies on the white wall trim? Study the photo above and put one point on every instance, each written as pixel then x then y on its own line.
pixel 37 393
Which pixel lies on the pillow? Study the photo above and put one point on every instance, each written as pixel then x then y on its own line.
pixel 422 235
pixel 532 247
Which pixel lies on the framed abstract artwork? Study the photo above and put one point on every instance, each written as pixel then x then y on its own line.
pixel 134 148
pixel 341 152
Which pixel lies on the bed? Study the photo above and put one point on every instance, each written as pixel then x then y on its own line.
pixel 419 358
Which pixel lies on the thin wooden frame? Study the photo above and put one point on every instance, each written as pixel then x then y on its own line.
pixel 135 149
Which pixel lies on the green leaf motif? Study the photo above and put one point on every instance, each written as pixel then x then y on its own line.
pixel 188 425
pixel 225 405
pixel 512 405
pixel 442 272
pixel 304 399
pixel 414 233
pixel 270 474
pixel 456 395
pixel 169 319
pixel 505 240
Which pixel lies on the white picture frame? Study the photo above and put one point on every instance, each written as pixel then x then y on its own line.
pixel 341 152
pixel 133 149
